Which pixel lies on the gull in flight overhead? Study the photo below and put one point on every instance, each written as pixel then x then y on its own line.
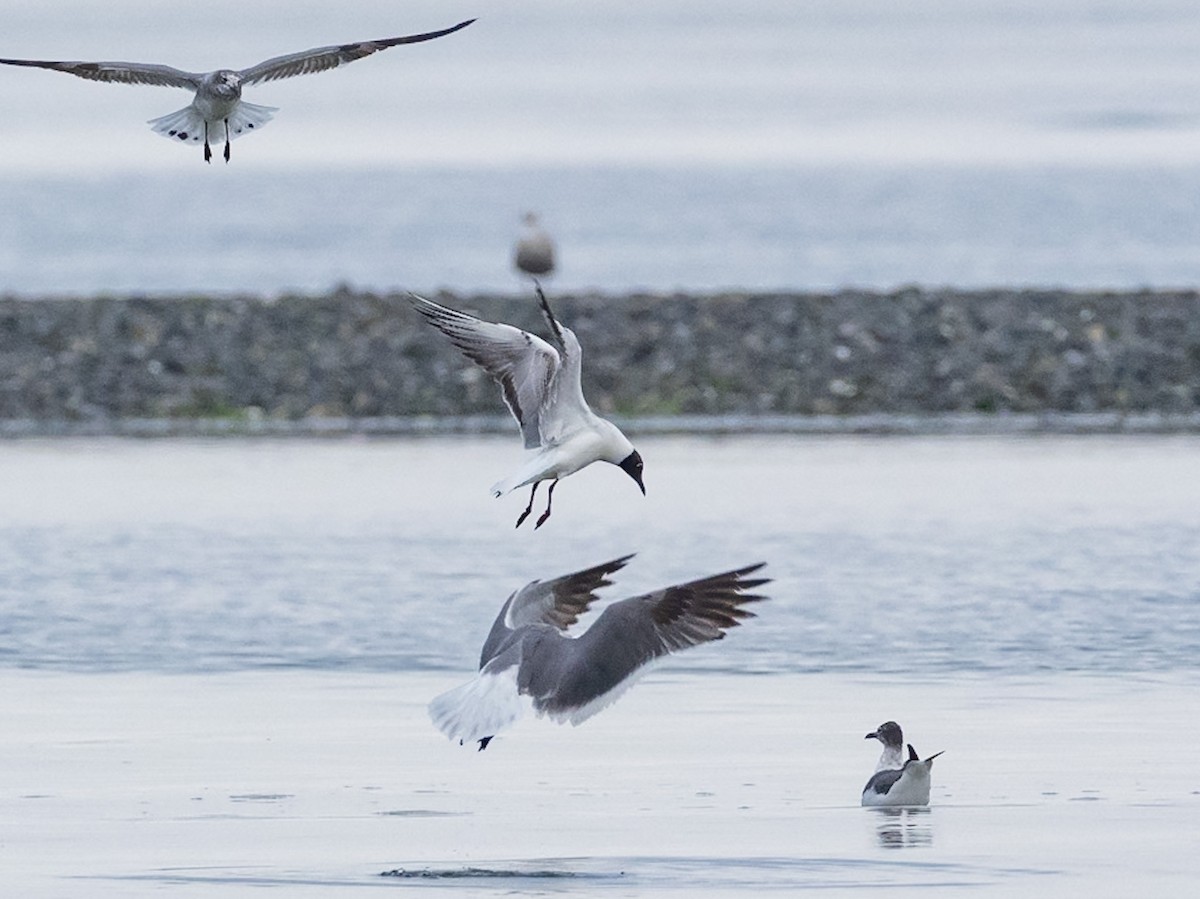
pixel 218 106
pixel 534 253
pixel 907 785
pixel 528 656
pixel 541 386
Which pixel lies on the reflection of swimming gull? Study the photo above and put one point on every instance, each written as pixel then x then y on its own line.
pixel 528 657
pixel 218 102
pixel 534 254
pixel 908 785
pixel 900 828
pixel 541 386
pixel 892 738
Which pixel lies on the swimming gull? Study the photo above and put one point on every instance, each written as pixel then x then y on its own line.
pixel 904 786
pixel 528 658
pixel 892 738
pixel 540 384
pixel 218 101
pixel 534 254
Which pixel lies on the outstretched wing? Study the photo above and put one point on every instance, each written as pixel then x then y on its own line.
pixel 558 602
pixel 561 601
pixel 566 408
pixel 117 72
pixel 585 674
pixel 322 58
pixel 522 364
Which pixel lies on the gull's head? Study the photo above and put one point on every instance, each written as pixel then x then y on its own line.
pixel 888 733
pixel 632 466
pixel 226 83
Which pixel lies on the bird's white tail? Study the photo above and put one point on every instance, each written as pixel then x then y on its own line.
pixel 479 708
pixel 248 117
pixel 187 125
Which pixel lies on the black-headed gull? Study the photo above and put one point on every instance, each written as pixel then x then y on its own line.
pixel 534 253
pixel 529 658
pixel 541 386
pixel 218 106
pixel 906 785
pixel 892 738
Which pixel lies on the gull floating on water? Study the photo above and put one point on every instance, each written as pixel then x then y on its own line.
pixel 529 658
pixel 892 738
pixel 534 254
pixel 541 386
pixel 904 785
pixel 218 102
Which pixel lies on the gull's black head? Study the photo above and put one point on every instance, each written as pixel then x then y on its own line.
pixel 889 734
pixel 632 466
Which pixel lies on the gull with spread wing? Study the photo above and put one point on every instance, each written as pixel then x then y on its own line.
pixel 528 657
pixel 218 103
pixel 541 386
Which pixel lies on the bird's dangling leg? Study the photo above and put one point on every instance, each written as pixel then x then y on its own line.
pixel 227 141
pixel 529 508
pixel 207 148
pixel 549 499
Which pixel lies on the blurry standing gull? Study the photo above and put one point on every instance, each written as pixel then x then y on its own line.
pixel 529 659
pixel 218 102
pixel 907 785
pixel 541 386
pixel 534 254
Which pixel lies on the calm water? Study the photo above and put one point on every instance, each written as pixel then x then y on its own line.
pixel 668 144
pixel 215 659
pixel 921 556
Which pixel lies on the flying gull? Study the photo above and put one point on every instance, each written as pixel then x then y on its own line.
pixel 541 386
pixel 904 786
pixel 528 658
pixel 892 738
pixel 218 102
pixel 534 254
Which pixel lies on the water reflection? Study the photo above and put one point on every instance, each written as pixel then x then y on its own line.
pixel 900 828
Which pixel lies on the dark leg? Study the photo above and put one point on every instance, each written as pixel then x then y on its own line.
pixel 528 508
pixel 227 140
pixel 549 499
pixel 207 148
pixel 483 743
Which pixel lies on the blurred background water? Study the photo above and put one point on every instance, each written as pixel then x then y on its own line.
pixel 905 556
pixel 667 144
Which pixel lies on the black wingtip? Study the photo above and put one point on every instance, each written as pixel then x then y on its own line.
pixel 555 327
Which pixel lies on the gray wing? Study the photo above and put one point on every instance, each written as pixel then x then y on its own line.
pixel 566 409
pixel 522 364
pixel 117 72
pixel 881 782
pixel 558 602
pixel 629 634
pixel 322 58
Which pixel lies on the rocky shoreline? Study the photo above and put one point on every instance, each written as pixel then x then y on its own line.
pixel 909 360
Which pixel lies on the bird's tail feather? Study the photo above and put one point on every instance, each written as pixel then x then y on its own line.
pixel 479 708
pixel 187 125
pixel 248 117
